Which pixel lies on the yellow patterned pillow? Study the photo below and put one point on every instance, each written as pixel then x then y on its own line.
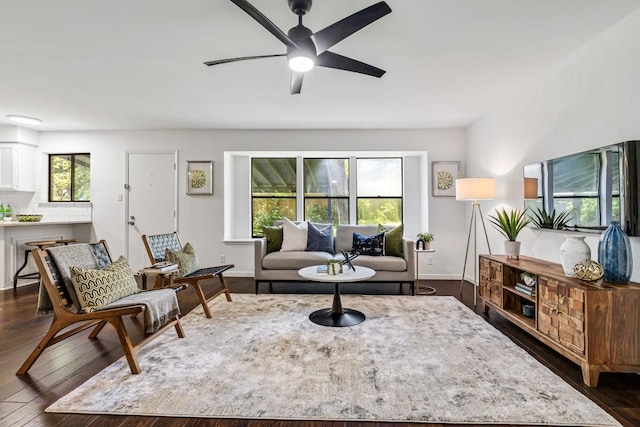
pixel 186 259
pixel 96 288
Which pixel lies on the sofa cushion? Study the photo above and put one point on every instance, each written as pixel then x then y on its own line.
pixel 373 245
pixel 392 239
pixel 344 235
pixel 294 236
pixel 381 263
pixel 274 237
pixel 294 260
pixel 320 238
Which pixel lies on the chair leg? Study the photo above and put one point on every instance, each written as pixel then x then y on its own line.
pixel 225 287
pixel 44 343
pixel 178 327
pixel 127 347
pixel 97 329
pixel 17 276
pixel 202 299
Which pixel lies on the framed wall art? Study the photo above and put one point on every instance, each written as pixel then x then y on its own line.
pixel 443 178
pixel 199 177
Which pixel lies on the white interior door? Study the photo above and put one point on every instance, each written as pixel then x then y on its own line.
pixel 151 200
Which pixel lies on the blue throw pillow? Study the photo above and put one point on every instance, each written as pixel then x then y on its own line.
pixel 319 239
pixel 373 245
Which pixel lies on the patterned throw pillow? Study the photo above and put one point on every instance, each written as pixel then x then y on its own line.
pixel 274 238
pixel 373 245
pixel 96 288
pixel 186 259
pixel 392 240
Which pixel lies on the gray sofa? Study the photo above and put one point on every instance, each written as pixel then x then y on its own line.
pixel 283 266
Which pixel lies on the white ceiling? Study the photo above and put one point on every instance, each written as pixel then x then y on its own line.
pixel 137 64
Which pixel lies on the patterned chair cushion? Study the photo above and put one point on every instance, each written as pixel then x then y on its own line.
pixel 186 259
pixel 96 288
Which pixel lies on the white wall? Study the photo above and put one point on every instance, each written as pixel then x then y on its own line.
pixel 200 218
pixel 591 100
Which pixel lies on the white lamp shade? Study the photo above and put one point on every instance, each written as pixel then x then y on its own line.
pixel 475 188
pixel 531 188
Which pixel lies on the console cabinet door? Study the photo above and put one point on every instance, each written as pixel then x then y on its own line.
pixel 491 281
pixel 561 311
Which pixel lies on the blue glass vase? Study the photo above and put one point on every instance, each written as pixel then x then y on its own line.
pixel 614 254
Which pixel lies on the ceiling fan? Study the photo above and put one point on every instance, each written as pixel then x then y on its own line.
pixel 306 48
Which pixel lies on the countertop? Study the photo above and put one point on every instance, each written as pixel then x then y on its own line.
pixel 24 224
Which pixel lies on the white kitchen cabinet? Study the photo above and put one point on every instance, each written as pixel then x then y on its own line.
pixel 17 166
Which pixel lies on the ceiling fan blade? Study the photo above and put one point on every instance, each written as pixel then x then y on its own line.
pixel 342 29
pixel 333 60
pixel 241 58
pixel 296 82
pixel 265 22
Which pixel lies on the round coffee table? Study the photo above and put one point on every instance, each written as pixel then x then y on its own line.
pixel 337 316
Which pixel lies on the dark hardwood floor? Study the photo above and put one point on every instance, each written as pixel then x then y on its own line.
pixel 69 363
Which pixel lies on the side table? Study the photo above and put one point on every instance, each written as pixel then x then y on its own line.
pixel 428 290
pixel 161 276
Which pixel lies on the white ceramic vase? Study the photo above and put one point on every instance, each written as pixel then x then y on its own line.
pixel 572 251
pixel 512 249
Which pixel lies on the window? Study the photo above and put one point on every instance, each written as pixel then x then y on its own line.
pixel 70 177
pixel 273 191
pixel 379 188
pixel 326 190
pixel 328 193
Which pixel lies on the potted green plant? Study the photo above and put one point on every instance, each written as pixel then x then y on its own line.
pixel 509 224
pixel 541 219
pixel 334 266
pixel 424 241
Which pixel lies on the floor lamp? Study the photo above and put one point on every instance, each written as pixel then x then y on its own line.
pixel 475 189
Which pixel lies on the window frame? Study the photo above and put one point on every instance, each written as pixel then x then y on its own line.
pixel 300 197
pixel 73 173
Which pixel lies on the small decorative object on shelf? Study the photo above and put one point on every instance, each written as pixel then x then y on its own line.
pixel 528 310
pixel 572 251
pixel 588 270
pixel 529 279
pixel 424 241
pixel 614 253
pixel 334 267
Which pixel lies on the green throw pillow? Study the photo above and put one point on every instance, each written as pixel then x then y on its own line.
pixel 393 240
pixel 274 238
pixel 186 259
pixel 97 288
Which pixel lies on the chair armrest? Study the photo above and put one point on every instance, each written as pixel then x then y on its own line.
pixel 260 251
pixel 409 247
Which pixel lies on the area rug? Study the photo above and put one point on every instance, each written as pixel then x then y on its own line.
pixel 419 359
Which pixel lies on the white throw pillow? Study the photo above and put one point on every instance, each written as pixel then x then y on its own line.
pixel 294 236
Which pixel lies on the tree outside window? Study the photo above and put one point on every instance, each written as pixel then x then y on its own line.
pixel 70 177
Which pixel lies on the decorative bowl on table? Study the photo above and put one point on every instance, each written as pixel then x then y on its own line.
pixel 28 218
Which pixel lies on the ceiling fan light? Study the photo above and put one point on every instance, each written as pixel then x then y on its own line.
pixel 301 64
pixel 25 120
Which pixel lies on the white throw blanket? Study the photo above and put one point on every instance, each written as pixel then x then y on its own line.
pixel 161 306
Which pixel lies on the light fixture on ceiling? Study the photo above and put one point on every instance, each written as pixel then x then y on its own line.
pixel 300 63
pixel 24 120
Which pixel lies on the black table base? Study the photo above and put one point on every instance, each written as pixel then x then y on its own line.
pixel 336 316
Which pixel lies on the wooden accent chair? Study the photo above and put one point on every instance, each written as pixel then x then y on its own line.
pixel 66 314
pixel 157 245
